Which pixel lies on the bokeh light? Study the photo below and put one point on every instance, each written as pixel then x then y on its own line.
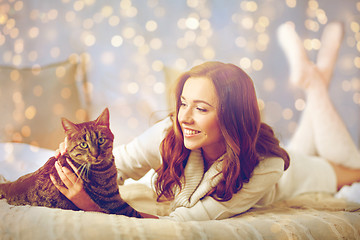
pixel 127 46
pixel 117 41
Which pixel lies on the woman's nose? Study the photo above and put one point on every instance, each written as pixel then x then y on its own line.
pixel 186 116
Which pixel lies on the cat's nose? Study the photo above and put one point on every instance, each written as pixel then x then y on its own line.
pixel 95 153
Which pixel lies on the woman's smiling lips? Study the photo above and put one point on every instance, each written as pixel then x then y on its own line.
pixel 190 132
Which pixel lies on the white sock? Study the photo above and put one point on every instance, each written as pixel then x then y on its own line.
pixel 294 52
pixel 330 44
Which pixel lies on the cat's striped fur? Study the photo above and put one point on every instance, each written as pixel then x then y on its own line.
pixel 89 148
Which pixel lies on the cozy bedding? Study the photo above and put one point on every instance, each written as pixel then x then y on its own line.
pixel 309 216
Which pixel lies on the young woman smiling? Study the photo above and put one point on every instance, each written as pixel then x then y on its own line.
pixel 213 156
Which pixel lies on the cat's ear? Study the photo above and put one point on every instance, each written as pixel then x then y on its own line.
pixel 68 125
pixel 104 118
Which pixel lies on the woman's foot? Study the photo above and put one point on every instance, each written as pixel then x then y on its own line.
pixel 295 54
pixel 330 44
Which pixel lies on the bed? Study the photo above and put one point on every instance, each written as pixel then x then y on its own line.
pixel 309 216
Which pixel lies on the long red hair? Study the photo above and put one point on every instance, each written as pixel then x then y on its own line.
pixel 247 139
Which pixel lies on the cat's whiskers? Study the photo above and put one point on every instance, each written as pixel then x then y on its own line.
pixel 87 168
pixel 80 170
pixel 84 171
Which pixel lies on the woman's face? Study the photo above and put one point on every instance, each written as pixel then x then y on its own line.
pixel 198 117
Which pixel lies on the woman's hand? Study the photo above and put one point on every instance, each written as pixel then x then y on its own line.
pixel 74 188
pixel 62 149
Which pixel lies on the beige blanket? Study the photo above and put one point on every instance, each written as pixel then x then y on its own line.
pixel 311 216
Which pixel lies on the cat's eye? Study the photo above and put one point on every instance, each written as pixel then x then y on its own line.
pixel 83 145
pixel 101 140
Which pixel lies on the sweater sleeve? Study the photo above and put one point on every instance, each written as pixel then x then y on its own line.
pixel 135 159
pixel 260 190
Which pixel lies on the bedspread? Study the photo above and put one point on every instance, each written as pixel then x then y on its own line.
pixel 308 216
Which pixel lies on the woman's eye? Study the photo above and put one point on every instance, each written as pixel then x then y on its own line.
pixel 83 145
pixel 101 140
pixel 201 109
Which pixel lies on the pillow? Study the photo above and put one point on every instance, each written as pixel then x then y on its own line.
pixel 33 100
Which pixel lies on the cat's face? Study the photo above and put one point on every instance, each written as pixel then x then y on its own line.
pixel 90 142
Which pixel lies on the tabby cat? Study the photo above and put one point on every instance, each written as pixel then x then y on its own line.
pixel 89 148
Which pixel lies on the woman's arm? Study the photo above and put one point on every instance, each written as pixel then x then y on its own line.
pixel 135 159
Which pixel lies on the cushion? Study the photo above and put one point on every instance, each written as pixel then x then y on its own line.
pixel 33 100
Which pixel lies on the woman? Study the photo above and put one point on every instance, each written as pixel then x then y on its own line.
pixel 215 159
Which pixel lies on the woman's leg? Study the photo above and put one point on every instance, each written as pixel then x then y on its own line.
pixel 332 139
pixel 303 139
pixel 329 137
pixel 344 175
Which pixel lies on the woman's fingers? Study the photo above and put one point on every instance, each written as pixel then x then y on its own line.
pixel 72 166
pixel 62 189
pixel 57 153
pixel 73 177
pixel 62 148
pixel 73 184
pixel 66 176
